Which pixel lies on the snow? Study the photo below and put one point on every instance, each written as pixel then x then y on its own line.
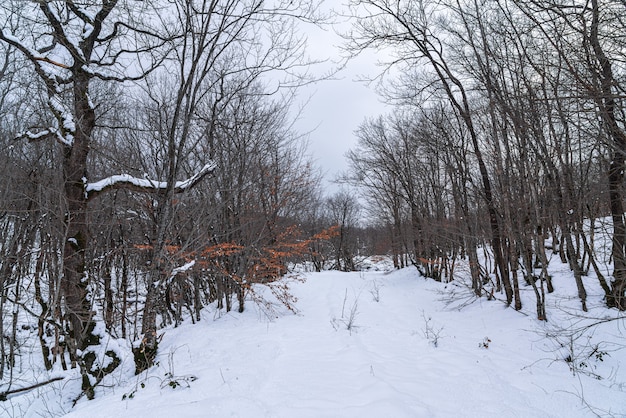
pixel 415 353
pixel 67 120
pixel 16 41
pixel 50 71
pixel 210 166
pixel 183 268
pixel 147 183
pixel 124 178
pixel 375 343
pixel 36 136
pixel 87 30
pixel 177 270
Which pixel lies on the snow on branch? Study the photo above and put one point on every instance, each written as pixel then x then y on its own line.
pixel 128 182
pixel 176 271
pixel 37 136
pixel 49 75
pixel 67 127
pixel 181 186
pixel 45 135
pixel 183 268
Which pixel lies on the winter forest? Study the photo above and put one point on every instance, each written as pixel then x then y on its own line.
pixel 153 178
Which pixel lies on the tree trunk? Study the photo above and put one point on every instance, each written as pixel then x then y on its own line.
pixel 607 105
pixel 573 263
pixel 418 249
pixel 74 282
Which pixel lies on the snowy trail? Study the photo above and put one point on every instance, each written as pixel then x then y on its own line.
pixel 310 365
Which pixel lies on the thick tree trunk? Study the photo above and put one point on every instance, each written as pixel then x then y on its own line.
pixel 74 66
pixel 74 283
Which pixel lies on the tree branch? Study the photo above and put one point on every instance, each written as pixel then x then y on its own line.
pixel 3 395
pixel 127 182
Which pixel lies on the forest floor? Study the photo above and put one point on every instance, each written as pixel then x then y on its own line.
pixel 376 343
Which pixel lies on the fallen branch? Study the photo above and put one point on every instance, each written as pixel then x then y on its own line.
pixel 4 395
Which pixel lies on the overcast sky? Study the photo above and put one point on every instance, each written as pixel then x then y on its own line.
pixel 337 107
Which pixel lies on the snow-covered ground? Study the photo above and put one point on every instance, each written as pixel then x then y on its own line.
pixel 371 344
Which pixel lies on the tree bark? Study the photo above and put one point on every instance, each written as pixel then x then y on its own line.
pixel 74 282
pixel 607 105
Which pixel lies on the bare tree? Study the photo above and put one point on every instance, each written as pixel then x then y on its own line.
pixel 222 51
pixel 411 29
pixel 69 45
pixel 588 51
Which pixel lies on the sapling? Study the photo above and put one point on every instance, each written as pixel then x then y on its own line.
pixel 431 332
pixel 348 319
pixel 375 290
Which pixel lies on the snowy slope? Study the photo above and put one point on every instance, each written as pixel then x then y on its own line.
pixel 407 355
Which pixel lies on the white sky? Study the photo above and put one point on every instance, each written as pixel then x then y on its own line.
pixel 337 107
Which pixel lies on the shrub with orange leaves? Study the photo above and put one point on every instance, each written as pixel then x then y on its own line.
pixel 244 265
pixel 265 263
